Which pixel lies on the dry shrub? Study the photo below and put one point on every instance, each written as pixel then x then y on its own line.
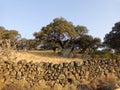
pixel 83 84
pixel 6 50
pixel 69 87
pixel 41 86
pixel 102 83
pixel 1 82
pixel 83 87
pixel 44 86
pixel 108 82
pixel 117 89
pixel 17 85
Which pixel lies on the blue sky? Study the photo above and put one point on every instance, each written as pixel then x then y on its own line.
pixel 29 16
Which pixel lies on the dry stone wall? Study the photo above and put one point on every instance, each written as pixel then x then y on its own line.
pixel 63 73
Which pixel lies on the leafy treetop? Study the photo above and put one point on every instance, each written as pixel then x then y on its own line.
pixel 112 39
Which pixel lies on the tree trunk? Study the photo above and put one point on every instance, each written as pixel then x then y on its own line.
pixel 68 52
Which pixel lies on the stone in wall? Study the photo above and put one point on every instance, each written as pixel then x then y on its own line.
pixel 63 73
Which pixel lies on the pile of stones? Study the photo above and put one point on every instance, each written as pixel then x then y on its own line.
pixel 63 73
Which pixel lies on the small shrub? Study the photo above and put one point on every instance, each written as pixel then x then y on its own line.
pixel 1 85
pixel 104 83
pixel 83 87
pixel 17 85
pixel 1 82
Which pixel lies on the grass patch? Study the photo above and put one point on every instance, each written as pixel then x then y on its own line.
pixel 44 56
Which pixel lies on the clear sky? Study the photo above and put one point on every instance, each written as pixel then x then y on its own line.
pixel 29 16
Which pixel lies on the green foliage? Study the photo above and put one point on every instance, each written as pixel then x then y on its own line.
pixel 88 42
pixel 29 44
pixel 81 30
pixel 61 26
pixel 112 39
pixel 58 31
pixel 105 53
pixel 8 34
pixel 62 34
pixel 1 30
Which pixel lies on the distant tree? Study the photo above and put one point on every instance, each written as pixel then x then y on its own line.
pixel 27 44
pixel 88 43
pixel 21 44
pixel 1 31
pixel 62 34
pixel 31 44
pixel 112 39
pixel 59 32
pixel 96 43
pixel 8 34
